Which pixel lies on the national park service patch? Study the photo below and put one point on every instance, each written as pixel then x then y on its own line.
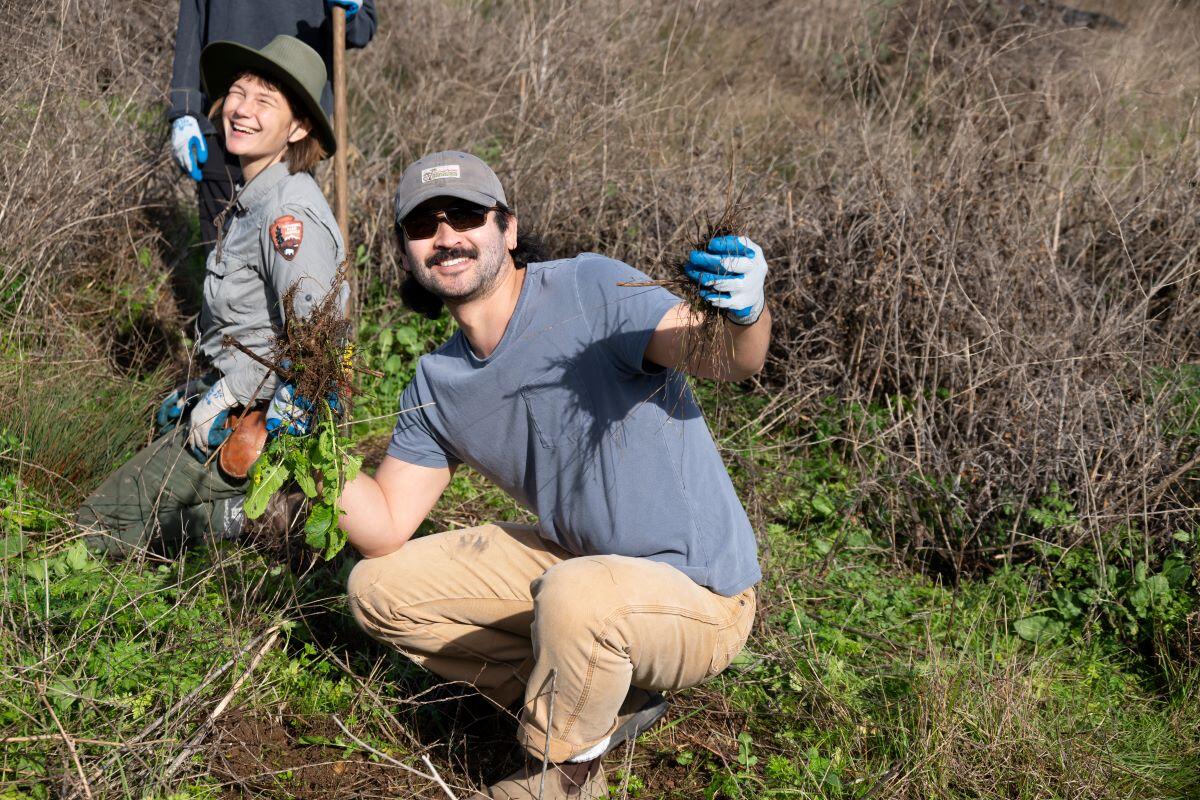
pixel 287 233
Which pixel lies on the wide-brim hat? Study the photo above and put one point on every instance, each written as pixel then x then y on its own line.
pixel 285 60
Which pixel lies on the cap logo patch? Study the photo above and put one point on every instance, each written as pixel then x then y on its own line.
pixel 440 173
pixel 287 233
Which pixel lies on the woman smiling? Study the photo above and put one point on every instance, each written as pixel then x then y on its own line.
pixel 278 235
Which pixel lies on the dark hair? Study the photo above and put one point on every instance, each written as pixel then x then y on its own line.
pixel 530 249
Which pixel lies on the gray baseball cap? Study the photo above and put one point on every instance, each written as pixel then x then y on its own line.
pixel 449 173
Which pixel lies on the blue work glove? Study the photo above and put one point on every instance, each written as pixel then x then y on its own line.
pixel 288 412
pixel 208 418
pixel 730 275
pixel 351 6
pixel 176 403
pixel 291 413
pixel 188 143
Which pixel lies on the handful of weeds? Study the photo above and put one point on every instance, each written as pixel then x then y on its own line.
pixel 322 454
pixel 313 355
pixel 704 341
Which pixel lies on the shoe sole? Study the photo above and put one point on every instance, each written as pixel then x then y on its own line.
pixel 639 723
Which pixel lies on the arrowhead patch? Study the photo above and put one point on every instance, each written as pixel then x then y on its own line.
pixel 287 233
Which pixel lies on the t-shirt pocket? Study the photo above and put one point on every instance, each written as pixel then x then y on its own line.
pixel 559 410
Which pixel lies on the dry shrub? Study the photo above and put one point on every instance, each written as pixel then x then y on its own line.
pixel 980 217
pixel 1018 297
pixel 83 189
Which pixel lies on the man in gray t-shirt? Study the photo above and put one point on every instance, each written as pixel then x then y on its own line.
pixel 564 386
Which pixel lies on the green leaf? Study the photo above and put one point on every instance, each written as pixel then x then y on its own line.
pixel 77 556
pixel 305 480
pixel 822 506
pixel 351 467
pixel 325 444
pixel 12 545
pixel 319 521
pixel 1037 628
pixel 265 481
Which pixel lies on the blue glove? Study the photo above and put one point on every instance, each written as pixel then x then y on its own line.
pixel 730 275
pixel 188 144
pixel 351 6
pixel 176 403
pixel 208 418
pixel 288 412
pixel 291 413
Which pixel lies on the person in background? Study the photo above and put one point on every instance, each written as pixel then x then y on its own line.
pixel 198 149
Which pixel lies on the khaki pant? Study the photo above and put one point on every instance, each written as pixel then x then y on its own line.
pixel 503 610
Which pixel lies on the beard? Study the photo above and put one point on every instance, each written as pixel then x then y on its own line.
pixel 478 283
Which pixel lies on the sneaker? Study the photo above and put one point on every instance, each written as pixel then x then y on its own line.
pixel 640 712
pixel 583 781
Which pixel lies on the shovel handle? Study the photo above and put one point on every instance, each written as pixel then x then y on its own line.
pixel 341 208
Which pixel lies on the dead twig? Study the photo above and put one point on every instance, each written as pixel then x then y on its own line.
pixel 433 773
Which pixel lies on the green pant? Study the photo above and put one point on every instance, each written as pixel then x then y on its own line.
pixel 162 496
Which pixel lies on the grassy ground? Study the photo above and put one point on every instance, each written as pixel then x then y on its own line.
pixel 226 672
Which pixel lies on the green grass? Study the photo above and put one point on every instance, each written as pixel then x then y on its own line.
pixel 865 677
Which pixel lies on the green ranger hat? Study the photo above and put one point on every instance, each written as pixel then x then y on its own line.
pixel 285 60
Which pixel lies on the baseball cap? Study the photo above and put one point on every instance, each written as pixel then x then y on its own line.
pixel 450 173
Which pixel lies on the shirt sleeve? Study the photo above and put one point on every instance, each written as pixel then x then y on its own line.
pixel 360 29
pixel 246 379
pixel 623 318
pixel 301 250
pixel 413 440
pixel 185 74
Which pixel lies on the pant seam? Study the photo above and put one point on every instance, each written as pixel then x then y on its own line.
pixel 608 623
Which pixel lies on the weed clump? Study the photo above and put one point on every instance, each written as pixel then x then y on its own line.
pixel 315 349
pixel 704 343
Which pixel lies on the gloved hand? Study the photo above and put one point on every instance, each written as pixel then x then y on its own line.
pixel 208 418
pixel 730 274
pixel 288 412
pixel 351 6
pixel 292 413
pixel 176 403
pixel 188 143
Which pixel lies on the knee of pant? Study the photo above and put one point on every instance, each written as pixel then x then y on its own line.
pixel 363 576
pixel 375 593
pixel 574 596
pixel 362 589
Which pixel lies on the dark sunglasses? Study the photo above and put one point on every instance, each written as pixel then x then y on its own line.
pixel 424 224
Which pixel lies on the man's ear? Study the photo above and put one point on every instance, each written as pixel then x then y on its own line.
pixel 400 243
pixel 510 233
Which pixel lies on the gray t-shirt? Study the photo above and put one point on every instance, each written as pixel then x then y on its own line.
pixel 612 454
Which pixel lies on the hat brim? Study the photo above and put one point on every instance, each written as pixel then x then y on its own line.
pixel 471 196
pixel 222 62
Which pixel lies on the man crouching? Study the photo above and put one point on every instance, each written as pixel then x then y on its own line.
pixel 563 387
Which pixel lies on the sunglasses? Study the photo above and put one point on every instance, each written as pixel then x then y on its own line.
pixel 424 224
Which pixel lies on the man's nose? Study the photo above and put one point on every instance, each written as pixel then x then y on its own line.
pixel 446 237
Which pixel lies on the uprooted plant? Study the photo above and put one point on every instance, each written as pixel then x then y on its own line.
pixel 314 358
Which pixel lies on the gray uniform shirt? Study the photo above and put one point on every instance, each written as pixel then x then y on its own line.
pixel 279 232
pixel 612 454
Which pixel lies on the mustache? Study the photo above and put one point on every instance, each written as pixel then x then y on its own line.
pixel 442 256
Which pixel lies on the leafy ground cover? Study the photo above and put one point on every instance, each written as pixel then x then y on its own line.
pixel 227 673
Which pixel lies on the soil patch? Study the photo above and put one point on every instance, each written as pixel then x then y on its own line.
pixel 299 757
